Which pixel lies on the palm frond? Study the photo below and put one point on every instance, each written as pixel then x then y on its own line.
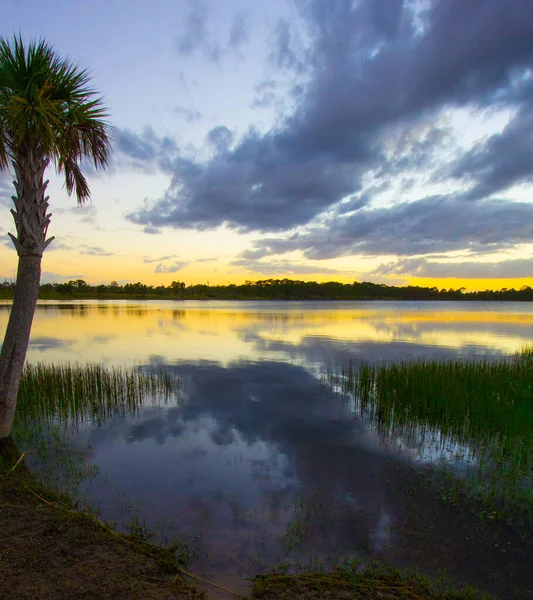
pixel 46 103
pixel 75 181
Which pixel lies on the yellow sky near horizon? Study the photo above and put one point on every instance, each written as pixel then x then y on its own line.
pixel 96 270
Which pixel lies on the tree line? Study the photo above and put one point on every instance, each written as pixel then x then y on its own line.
pixel 269 289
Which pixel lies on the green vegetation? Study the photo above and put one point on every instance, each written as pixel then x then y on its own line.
pixel 351 583
pixel 71 393
pixel 268 289
pixel 55 399
pixel 478 415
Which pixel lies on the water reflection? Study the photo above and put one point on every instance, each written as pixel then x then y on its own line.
pixel 265 466
pixel 128 332
pixel 256 456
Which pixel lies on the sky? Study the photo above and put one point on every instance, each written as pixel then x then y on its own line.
pixel 370 140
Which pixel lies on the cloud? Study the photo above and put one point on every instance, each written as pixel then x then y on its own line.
pixel 249 188
pixel 88 213
pixel 143 151
pixel 177 266
pixel 95 251
pixel 423 267
pixel 195 36
pixel 148 260
pixel 191 115
pixel 239 31
pixel 220 138
pixel 265 93
pixel 376 80
pixel 502 161
pixel 287 48
pixel 6 188
pixel 59 245
pixel 285 267
pixel 442 223
pixel 152 230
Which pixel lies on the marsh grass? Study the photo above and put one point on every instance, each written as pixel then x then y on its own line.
pixel 55 400
pixel 77 393
pixel 476 416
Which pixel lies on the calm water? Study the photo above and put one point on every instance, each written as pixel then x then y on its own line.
pixel 256 461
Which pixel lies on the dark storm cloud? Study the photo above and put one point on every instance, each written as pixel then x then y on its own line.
pixel 501 161
pixel 287 48
pixel 220 138
pixel 422 267
pixel 414 149
pixel 372 70
pixel 251 187
pixel 442 223
pixel 142 150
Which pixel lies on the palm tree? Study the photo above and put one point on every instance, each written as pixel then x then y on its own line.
pixel 48 115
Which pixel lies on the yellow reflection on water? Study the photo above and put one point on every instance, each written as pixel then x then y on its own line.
pixel 133 332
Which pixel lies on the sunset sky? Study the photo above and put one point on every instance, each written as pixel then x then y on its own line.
pixel 377 140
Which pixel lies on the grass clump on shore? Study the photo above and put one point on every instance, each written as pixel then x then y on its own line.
pixel 372 583
pixel 50 551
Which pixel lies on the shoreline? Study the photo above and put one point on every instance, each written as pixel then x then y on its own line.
pixel 52 550
pixel 155 297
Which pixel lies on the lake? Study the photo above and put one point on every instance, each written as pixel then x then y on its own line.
pixel 258 459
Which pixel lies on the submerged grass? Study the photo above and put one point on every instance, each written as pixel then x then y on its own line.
pixel 478 414
pixel 55 400
pixel 76 393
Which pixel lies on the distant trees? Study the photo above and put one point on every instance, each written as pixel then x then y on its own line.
pixel 272 289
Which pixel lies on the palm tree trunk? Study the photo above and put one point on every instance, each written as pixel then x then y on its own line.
pixel 17 337
pixel 31 221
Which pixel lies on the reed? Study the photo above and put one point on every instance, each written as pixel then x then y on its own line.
pixel 478 413
pixel 77 393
